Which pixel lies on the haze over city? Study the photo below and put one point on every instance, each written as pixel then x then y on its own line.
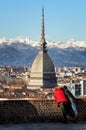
pixel 64 19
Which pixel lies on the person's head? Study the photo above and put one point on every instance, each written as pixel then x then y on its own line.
pixel 57 87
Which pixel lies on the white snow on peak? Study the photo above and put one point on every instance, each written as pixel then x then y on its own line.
pixel 29 41
pixel 72 43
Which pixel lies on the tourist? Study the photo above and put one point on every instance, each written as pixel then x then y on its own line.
pixel 62 101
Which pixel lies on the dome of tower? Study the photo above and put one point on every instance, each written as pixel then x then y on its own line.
pixel 42 73
pixel 42 64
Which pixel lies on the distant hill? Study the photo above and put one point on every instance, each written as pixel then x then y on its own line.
pixel 22 51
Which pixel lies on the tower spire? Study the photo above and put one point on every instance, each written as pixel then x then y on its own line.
pixel 42 34
pixel 42 41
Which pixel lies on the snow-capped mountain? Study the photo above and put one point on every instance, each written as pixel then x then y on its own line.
pixel 22 51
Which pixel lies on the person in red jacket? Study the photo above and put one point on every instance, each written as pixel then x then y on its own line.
pixel 62 101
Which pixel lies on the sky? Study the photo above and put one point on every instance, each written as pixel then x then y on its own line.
pixel 64 19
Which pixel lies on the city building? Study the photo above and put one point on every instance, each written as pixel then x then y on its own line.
pixel 83 87
pixel 42 73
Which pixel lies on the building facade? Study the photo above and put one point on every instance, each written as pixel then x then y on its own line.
pixel 42 73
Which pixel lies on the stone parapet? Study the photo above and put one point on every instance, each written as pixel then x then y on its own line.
pixel 25 111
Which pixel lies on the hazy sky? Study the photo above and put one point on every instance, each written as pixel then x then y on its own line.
pixel 64 19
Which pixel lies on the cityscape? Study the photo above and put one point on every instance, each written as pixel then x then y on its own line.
pixel 14 81
pixel 32 70
pixel 38 81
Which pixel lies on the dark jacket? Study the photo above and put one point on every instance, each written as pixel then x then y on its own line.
pixel 69 94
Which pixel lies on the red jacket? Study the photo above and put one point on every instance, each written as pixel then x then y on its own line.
pixel 60 96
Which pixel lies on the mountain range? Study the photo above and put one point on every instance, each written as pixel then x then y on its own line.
pixel 22 51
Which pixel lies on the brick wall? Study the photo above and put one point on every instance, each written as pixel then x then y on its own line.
pixel 20 111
